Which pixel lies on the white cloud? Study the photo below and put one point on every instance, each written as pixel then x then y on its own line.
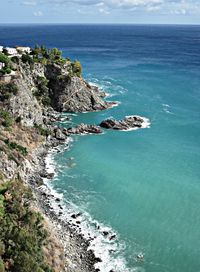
pixel 38 13
pixel 131 3
pixel 181 7
pixel 104 11
pixel 29 3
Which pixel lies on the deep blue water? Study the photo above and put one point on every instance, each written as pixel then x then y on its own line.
pixel 144 184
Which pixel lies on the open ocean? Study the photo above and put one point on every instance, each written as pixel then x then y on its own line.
pixel 143 185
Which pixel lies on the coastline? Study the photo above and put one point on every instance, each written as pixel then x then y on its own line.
pixel 86 249
pixel 76 253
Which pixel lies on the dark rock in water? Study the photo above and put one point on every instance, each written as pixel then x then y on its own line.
pixel 76 215
pixel 82 129
pixel 57 199
pixel 97 259
pixel 50 175
pixel 112 237
pixel 105 233
pixel 125 124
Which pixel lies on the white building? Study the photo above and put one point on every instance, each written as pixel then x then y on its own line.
pixel 2 65
pixel 1 49
pixel 11 51
pixel 23 49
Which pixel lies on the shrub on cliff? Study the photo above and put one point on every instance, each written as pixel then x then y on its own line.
pixel 7 89
pixel 26 58
pixel 22 234
pixel 42 91
pixel 19 148
pixel 5 59
pixel 5 119
pixel 42 131
pixel 5 70
pixel 77 68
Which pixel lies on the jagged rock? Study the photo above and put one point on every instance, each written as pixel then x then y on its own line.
pixel 72 93
pixel 82 129
pixel 58 134
pixel 67 93
pixel 112 237
pixel 75 216
pixel 125 124
pixel 105 233
pixel 44 174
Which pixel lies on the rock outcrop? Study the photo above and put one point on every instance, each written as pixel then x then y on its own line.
pixel 129 122
pixel 82 129
pixel 64 92
pixel 72 93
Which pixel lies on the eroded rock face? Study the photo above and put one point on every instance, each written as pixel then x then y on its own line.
pixel 82 129
pixel 24 104
pixel 72 93
pixel 129 122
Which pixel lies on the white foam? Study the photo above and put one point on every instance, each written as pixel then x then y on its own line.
pixel 110 251
pixel 146 123
pixel 166 108
pixel 166 105
pixel 117 103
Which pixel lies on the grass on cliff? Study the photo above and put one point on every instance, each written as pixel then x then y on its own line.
pixel 22 235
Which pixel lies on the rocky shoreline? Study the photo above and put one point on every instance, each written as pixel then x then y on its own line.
pixel 77 256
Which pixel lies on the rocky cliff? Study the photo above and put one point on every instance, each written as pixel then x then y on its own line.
pixel 41 86
pixel 72 93
pixel 27 109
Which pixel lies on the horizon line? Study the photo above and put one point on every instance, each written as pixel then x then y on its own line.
pixel 113 24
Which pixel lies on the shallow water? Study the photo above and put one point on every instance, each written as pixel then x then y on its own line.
pixel 143 184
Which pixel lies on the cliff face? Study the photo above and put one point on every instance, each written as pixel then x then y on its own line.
pixel 52 82
pixel 72 93
pixel 24 104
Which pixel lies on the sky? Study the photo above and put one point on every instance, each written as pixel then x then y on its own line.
pixel 100 11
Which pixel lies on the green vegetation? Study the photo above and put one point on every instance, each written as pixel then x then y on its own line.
pixel 5 119
pixel 15 146
pixel 76 68
pixel 42 92
pixel 22 234
pixel 7 68
pixel 42 131
pixel 5 59
pixel 7 89
pixel 27 58
pixel 40 54
pixel 47 56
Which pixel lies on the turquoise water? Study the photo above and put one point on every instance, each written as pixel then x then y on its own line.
pixel 144 184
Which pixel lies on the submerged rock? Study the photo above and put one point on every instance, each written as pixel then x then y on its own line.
pixel 129 122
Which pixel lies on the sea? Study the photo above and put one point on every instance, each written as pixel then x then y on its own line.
pixel 138 191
